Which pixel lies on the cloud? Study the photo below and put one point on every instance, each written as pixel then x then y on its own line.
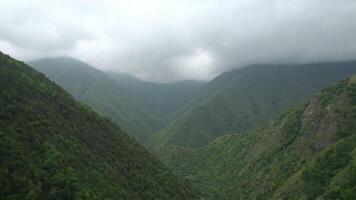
pixel 162 40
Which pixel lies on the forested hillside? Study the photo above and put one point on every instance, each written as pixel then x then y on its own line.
pixel 163 99
pixel 307 152
pixel 242 99
pixel 53 147
pixel 100 92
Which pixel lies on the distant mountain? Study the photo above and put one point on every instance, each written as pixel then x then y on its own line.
pixel 308 152
pixel 100 92
pixel 163 99
pixel 239 100
pixel 53 147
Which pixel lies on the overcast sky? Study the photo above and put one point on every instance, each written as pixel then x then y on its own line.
pixel 162 40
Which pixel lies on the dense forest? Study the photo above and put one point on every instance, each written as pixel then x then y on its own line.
pixel 96 89
pixel 53 147
pixel 192 113
pixel 166 100
pixel 140 107
pixel 177 100
pixel 218 139
pixel 242 99
pixel 307 152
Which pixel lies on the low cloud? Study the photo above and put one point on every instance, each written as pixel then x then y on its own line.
pixel 167 41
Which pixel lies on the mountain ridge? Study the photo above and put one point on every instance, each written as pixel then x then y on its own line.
pixel 163 99
pixel 96 89
pixel 307 152
pixel 53 147
pixel 239 100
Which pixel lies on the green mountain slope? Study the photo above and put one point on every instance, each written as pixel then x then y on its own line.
pixel 163 99
pixel 100 92
pixel 52 147
pixel 240 100
pixel 308 152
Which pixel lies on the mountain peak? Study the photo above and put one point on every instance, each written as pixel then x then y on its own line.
pixel 61 61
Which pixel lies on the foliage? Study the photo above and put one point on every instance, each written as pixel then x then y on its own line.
pixel 163 99
pixel 100 92
pixel 308 152
pixel 242 99
pixel 53 147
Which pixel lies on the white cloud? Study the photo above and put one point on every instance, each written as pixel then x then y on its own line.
pixel 163 40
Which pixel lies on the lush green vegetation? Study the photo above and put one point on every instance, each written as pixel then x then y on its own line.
pixel 52 147
pixel 163 99
pixel 240 100
pixel 308 152
pixel 101 93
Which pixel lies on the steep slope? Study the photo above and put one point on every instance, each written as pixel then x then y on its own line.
pixel 239 100
pixel 308 152
pixel 163 99
pixel 52 147
pixel 100 92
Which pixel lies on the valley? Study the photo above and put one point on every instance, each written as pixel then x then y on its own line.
pixel 177 100
pixel 249 129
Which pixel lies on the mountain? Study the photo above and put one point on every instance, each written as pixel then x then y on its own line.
pixel 307 152
pixel 101 93
pixel 239 100
pixel 53 147
pixel 163 99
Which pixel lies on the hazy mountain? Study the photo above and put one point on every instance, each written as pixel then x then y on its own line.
pixel 163 99
pixel 53 147
pixel 100 92
pixel 239 100
pixel 308 152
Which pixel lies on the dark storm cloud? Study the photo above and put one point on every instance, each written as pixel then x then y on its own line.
pixel 172 40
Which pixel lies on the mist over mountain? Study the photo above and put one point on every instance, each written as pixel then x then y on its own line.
pixel 177 99
pixel 140 107
pixel 165 100
pixel 242 99
pixel 98 90
pixel 168 41
pixel 53 147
